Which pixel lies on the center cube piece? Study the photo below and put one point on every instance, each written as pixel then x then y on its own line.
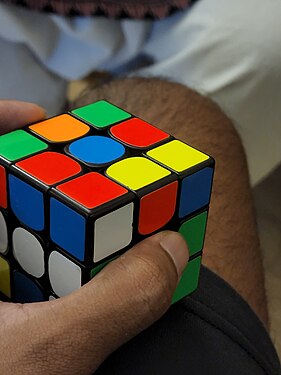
pixel 79 189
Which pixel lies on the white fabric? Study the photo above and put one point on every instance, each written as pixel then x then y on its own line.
pixel 228 50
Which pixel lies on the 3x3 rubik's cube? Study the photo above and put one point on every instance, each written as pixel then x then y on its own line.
pixel 79 189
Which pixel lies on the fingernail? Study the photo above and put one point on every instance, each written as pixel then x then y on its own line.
pixel 174 244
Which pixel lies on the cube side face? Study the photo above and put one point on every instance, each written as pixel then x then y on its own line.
pixel 79 189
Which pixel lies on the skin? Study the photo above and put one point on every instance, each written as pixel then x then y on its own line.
pixel 86 326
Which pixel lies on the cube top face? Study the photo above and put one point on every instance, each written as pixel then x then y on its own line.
pixel 50 167
pixel 177 156
pixel 61 128
pixel 80 189
pixel 19 144
pixel 138 133
pixel 136 172
pixel 96 150
pixel 92 190
pixel 101 114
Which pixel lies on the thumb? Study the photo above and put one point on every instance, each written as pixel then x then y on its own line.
pixel 14 114
pixel 131 293
pixel 74 334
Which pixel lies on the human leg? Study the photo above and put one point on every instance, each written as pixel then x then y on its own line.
pixel 213 331
pixel 232 246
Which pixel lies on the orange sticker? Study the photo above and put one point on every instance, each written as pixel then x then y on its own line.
pixel 61 128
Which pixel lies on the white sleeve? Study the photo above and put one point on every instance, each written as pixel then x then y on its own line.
pixel 229 51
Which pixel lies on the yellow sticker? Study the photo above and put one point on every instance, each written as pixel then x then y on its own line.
pixel 177 155
pixel 136 172
pixel 5 279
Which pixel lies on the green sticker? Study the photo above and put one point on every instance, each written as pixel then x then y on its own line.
pixel 18 144
pixel 189 280
pixel 101 114
pixel 193 231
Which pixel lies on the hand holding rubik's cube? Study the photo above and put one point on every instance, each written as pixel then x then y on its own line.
pixel 79 189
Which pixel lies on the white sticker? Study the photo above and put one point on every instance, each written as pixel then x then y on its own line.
pixel 113 232
pixel 28 252
pixel 65 276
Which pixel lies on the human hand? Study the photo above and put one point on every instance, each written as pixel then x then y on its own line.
pixel 14 114
pixel 74 334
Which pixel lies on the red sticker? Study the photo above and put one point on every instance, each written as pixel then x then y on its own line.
pixel 157 208
pixel 50 167
pixel 92 189
pixel 3 188
pixel 138 133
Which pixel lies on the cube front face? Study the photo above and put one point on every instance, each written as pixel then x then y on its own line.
pixel 79 189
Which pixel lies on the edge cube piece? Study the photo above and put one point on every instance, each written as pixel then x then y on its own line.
pixel 88 210
pixel 62 128
pixel 101 114
pixel 19 144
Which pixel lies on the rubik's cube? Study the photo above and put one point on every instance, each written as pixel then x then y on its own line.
pixel 79 189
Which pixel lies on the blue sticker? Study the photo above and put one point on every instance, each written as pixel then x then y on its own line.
pixel 26 290
pixel 97 149
pixel 195 191
pixel 27 203
pixel 67 229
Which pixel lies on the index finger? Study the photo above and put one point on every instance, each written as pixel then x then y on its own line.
pixel 15 114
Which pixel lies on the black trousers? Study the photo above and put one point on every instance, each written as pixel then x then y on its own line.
pixel 214 331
